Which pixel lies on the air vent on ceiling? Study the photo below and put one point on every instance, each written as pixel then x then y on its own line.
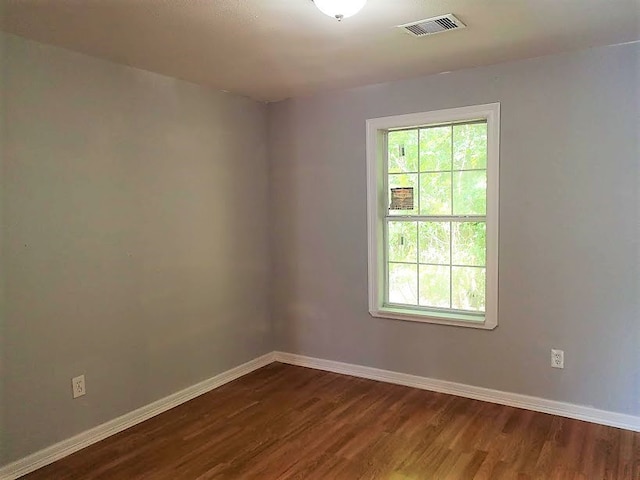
pixel 440 24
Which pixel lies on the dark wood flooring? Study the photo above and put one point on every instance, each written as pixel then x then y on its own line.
pixel 285 422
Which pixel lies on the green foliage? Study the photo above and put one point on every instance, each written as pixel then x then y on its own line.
pixel 469 243
pixel 470 193
pixel 435 193
pixel 403 241
pixel 470 146
pixel 434 242
pixel 451 164
pixel 468 288
pixel 435 149
pixel 434 286
pixel 404 180
pixel 430 149
pixel 403 141
pixel 403 283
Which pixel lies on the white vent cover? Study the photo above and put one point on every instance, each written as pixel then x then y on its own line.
pixel 440 24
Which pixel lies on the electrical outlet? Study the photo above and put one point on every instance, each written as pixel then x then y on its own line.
pixel 78 387
pixel 557 358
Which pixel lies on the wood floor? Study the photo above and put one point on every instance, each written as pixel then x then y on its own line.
pixel 285 422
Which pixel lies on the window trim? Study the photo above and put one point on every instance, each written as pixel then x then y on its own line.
pixel 377 205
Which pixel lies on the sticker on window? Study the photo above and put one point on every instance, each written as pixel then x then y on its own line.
pixel 401 198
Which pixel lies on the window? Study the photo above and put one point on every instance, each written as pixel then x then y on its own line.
pixel 433 216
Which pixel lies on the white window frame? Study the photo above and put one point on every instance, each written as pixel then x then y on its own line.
pixel 377 205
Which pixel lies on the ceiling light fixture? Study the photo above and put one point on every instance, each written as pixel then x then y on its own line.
pixel 340 8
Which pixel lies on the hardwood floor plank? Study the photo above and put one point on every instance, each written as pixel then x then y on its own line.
pixel 284 423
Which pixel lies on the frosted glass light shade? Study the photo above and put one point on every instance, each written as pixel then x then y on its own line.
pixel 340 8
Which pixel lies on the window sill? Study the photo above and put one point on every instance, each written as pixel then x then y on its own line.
pixel 439 318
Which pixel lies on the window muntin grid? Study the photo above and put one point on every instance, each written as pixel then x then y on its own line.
pixel 447 167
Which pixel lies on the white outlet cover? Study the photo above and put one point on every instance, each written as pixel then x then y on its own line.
pixel 78 386
pixel 557 358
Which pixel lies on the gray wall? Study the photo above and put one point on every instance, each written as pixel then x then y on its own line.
pixel 134 239
pixel 3 360
pixel 136 208
pixel 569 263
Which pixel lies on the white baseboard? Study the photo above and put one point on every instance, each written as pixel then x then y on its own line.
pixel 55 452
pixel 563 409
pixel 71 445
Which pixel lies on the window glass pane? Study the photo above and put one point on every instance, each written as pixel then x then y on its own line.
pixel 434 242
pixel 435 149
pixel 470 146
pixel 403 241
pixel 435 193
pixel 434 286
pixel 469 243
pixel 468 285
pixel 403 151
pixel 404 180
pixel 470 193
pixel 403 283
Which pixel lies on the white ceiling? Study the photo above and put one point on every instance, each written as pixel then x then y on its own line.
pixel 273 49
